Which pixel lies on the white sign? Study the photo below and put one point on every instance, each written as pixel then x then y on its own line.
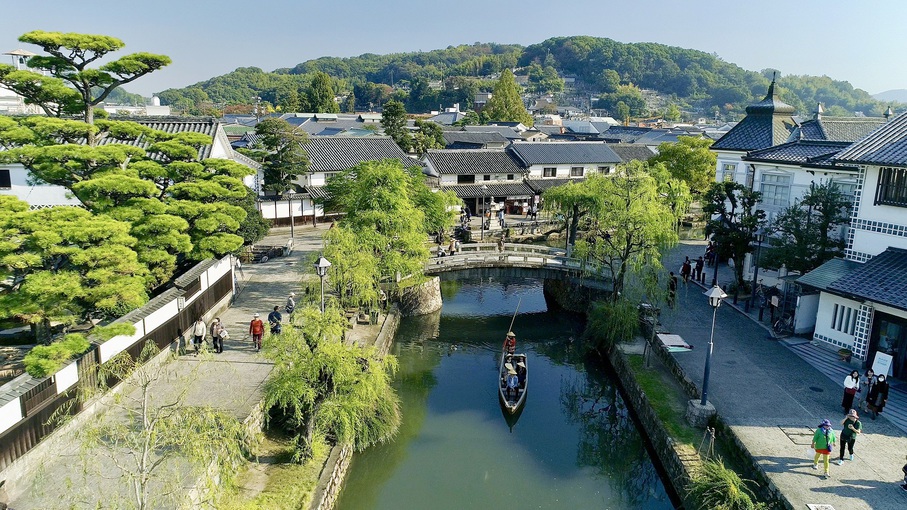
pixel 882 364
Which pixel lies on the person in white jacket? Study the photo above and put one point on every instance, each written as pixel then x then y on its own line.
pixel 199 330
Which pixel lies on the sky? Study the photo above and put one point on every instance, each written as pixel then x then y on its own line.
pixel 852 41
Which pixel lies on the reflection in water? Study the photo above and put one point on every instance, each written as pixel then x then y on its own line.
pixel 573 445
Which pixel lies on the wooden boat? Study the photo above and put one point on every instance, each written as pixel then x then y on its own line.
pixel 513 399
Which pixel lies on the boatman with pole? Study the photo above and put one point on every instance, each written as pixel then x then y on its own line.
pixel 510 343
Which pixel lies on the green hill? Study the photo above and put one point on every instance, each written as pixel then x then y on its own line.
pixel 695 81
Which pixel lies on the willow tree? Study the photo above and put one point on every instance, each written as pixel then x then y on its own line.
pixel 70 86
pixel 385 218
pixel 505 104
pixel 321 386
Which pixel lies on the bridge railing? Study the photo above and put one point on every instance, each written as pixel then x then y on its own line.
pixel 514 255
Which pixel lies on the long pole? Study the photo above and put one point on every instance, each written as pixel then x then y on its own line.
pixel 322 294
pixel 755 277
pixel 708 362
pixel 482 217
pixel 715 251
pixel 514 315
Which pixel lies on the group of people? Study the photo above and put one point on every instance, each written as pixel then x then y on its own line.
pixel 873 391
pixel 200 331
pixel 516 373
pixel 219 334
pixel 692 269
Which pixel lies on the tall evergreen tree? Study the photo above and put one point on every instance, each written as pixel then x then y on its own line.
pixel 393 120
pixel 505 104
pixel 285 159
pixel 320 95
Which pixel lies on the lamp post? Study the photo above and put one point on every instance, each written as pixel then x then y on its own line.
pixel 715 251
pixel 484 190
pixel 321 267
pixel 715 295
pixel 759 236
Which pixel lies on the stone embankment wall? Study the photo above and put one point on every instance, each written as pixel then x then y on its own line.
pixel 421 299
pixel 680 461
pixel 571 296
pixel 334 471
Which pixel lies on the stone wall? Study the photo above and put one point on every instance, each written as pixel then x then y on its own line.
pixel 421 299
pixel 572 296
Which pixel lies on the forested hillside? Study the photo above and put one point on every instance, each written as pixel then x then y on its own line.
pixel 612 72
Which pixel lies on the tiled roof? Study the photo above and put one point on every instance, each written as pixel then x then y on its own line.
pixel 828 273
pixel 447 118
pixel 767 123
pixel 885 146
pixel 837 129
pixel 540 185
pixel 338 153
pixel 473 162
pixel 580 126
pixel 512 190
pixel 632 151
pixel 204 125
pixel 542 153
pixel 549 130
pixel 505 131
pixel 472 137
pixel 881 280
pixel 800 152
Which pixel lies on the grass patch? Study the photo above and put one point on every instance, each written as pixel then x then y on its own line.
pixel 666 398
pixel 275 482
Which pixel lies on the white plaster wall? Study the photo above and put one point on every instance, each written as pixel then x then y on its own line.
pixel 36 195
pixel 10 414
pixel 222 267
pixel 163 314
pixel 66 377
pixel 875 243
pixel 824 313
pixel 301 208
pixel 120 343
pixel 805 316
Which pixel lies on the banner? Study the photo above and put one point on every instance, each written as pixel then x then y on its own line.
pixel 882 364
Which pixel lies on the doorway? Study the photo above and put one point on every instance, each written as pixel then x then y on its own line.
pixel 889 335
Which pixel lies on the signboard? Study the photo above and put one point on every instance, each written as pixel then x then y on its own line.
pixel 882 364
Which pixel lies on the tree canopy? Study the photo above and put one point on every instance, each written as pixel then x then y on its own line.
pixel 506 104
pixel 733 219
pixel 284 159
pixel 689 160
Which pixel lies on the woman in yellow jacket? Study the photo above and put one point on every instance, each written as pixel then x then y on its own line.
pixel 823 443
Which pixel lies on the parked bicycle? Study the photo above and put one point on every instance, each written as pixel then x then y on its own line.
pixel 784 324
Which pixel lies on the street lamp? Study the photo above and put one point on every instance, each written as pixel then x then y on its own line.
pixel 758 236
pixel 321 267
pixel 715 295
pixel 484 190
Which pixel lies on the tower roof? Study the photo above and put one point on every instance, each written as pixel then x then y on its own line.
pixel 767 123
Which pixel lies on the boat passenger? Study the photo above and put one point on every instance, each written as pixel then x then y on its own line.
pixel 513 382
pixel 521 373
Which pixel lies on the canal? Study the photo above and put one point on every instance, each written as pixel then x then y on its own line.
pixel 573 446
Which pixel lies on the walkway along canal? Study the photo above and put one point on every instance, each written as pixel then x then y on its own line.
pixel 573 446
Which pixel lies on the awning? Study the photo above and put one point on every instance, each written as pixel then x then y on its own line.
pixel 674 343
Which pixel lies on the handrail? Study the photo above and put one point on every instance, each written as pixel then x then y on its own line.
pixel 514 255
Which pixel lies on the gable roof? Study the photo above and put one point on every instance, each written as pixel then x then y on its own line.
pixel 472 162
pixel 801 152
pixel 838 129
pixel 768 122
pixel 829 272
pixel 623 134
pixel 473 137
pixel 885 146
pixel 338 153
pixel 632 151
pixel 543 153
pixel 173 125
pixel 882 280
pixel 505 131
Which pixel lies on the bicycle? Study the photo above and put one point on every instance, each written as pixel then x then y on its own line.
pixel 784 324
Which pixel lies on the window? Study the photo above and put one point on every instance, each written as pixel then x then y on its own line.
pixel 509 177
pixel 844 319
pixel 329 175
pixel 549 172
pixel 604 170
pixel 728 171
pixel 486 177
pixel 576 171
pixel 466 179
pixel 892 189
pixel 775 189
pixel 5 181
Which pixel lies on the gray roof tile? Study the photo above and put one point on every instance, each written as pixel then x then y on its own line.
pixel 838 129
pixel 632 151
pixel 542 153
pixel 512 190
pixel 828 273
pixel 473 162
pixel 768 122
pixel 882 280
pixel 817 152
pixel 884 146
pixel 336 153
pixel 471 137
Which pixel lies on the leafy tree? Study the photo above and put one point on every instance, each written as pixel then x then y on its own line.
pixel 428 135
pixel 673 113
pixel 689 160
pixel 629 225
pixel 544 80
pixel 319 96
pixel 349 104
pixel 393 121
pixel 70 54
pixel 622 111
pixel 65 264
pixel 505 104
pixel 807 234
pixel 630 95
pixel 149 435
pixel 733 219
pixel 608 81
pixel 319 383
pixel 285 159
pixel 573 200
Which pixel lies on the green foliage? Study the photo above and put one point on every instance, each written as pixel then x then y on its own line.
pixel 506 104
pixel 689 160
pixel 285 159
pixel 428 136
pixel 719 488
pixel 393 120
pixel 319 96
pixel 544 80
pixel 807 234
pixel 733 220
pixel 626 101
pixel 46 360
pixel 610 323
pixel 319 383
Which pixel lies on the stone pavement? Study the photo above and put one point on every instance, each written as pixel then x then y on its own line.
pixel 773 400
pixel 230 381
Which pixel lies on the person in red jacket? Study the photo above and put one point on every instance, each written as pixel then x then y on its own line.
pixel 256 329
pixel 510 343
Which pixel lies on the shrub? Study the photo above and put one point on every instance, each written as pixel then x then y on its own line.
pixel 45 360
pixel 719 488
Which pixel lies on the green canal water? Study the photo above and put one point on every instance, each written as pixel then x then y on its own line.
pixel 574 445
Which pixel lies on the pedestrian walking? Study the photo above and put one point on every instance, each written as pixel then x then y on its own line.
pixel 866 383
pixel 199 330
pixel 290 305
pixel 852 427
pixel 256 329
pixel 823 443
pixel 851 385
pixel 672 289
pixel 878 396
pixel 274 320
pixel 685 270
pixel 710 254
pixel 218 334
pixel 904 470
pixel 699 266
